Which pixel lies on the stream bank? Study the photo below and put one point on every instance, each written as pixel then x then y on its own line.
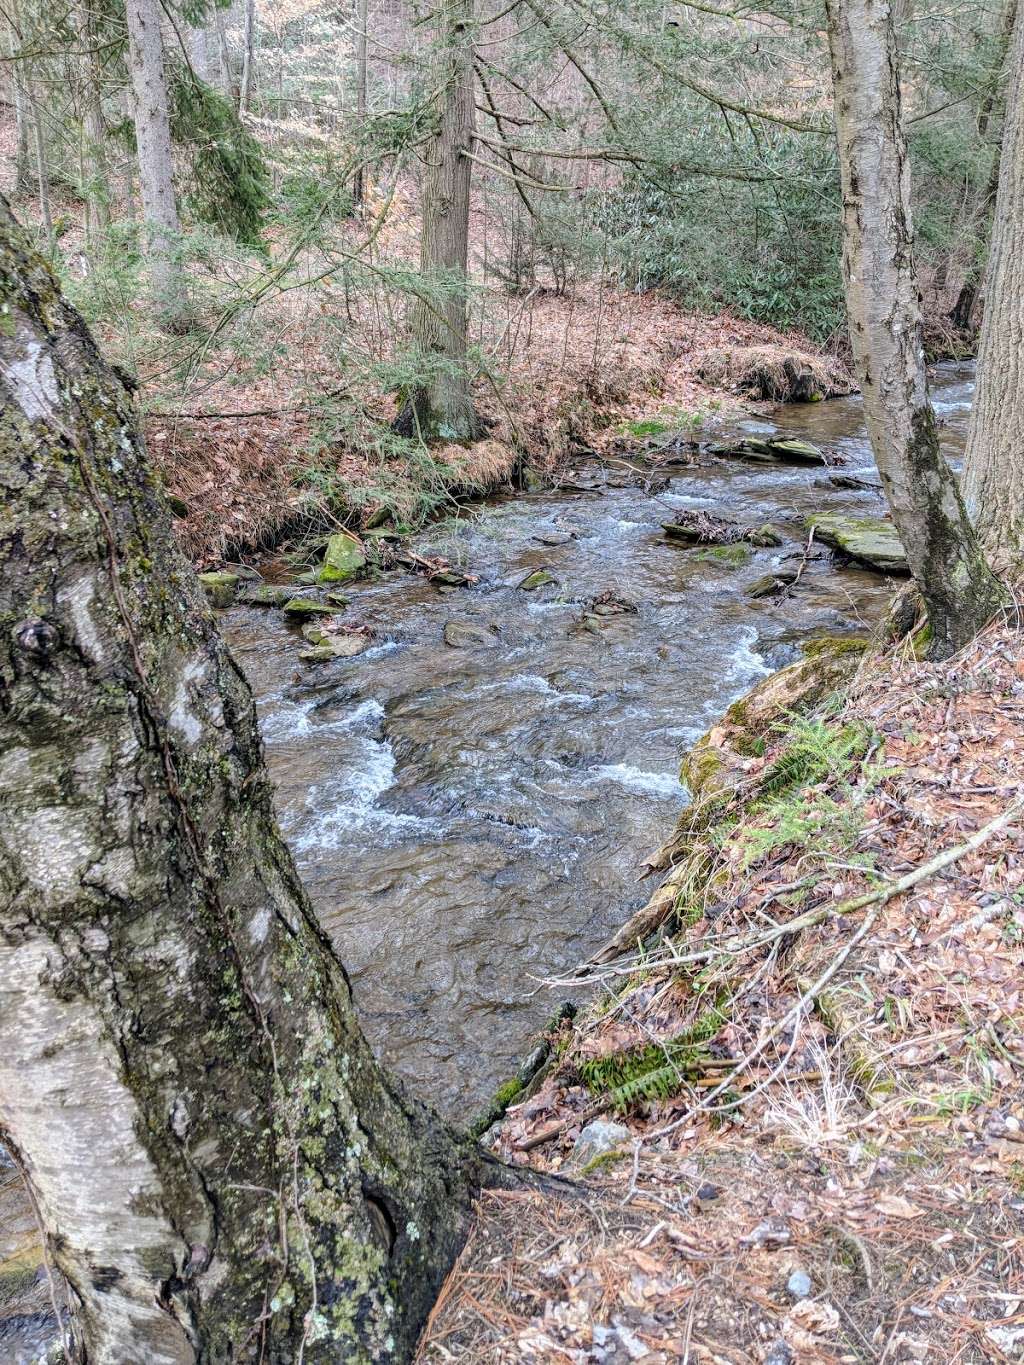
pixel 470 819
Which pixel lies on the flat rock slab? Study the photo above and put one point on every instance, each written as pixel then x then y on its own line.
pixel 869 540
pixel 466 635
pixel 772 450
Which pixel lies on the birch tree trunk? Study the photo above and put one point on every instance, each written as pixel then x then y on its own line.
pixel 994 459
pixel 223 1170
pixel 441 405
pixel 959 591
pixel 156 165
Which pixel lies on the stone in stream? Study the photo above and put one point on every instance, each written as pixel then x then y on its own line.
pixel 537 578
pixel 302 607
pixel 771 583
pixel 219 587
pixel 266 595
pixel 726 556
pixel 772 450
pixel 551 537
pixel 869 540
pixel 333 644
pixel 466 635
pixel 693 526
pixel 765 536
pixel 343 559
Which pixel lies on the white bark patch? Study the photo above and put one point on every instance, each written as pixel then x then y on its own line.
pixel 78 598
pixel 63 1100
pixel 56 844
pixel 183 717
pixel 31 375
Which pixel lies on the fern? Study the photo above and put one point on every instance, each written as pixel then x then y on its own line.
pixel 815 751
pixel 657 1070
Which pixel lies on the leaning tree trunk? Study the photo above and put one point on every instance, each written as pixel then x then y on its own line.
pixel 440 403
pixel 994 460
pixel 156 165
pixel 945 558
pixel 223 1170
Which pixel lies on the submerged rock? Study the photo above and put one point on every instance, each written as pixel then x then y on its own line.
pixel 726 556
pixel 869 540
pixel 466 635
pixel 343 559
pixel 219 588
pixel 539 578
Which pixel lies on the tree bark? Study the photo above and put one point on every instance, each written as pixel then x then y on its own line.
pixel 362 19
pixel 95 174
pixel 248 55
pixel 959 591
pixel 994 458
pixel 441 403
pixel 223 1170
pixel 156 164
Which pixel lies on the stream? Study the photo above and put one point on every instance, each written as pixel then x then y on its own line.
pixel 469 821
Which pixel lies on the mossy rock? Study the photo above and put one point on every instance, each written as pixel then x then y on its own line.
pixel 266 595
pixel 869 540
pixel 344 558
pixel 539 578
pixel 301 607
pixel 772 450
pixel 766 537
pixel 219 587
pixel 726 556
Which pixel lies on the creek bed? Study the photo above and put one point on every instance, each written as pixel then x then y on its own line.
pixel 471 820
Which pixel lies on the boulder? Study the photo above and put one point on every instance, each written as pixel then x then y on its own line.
pixel 343 559
pixel 552 537
pixel 870 540
pixel 466 635
pixel 765 537
pixel 340 643
pixel 219 588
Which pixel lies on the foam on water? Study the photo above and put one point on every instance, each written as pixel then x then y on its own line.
pixel 662 786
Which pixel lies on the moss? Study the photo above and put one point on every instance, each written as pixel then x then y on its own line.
pixel 726 556
pixel 833 646
pixel 598 1162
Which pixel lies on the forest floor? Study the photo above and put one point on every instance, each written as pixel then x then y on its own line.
pixel 271 415
pixel 818 1150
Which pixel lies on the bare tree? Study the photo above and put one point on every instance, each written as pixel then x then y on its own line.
pixel 440 404
pixel 994 460
pixel 248 54
pixel 959 591
pixel 362 19
pixel 156 165
pixel 223 1170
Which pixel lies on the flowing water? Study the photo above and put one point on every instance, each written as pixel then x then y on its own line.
pixel 471 820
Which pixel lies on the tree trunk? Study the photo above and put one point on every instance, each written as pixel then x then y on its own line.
pixel 978 215
pixel 223 1170
pixel 994 459
pixel 95 175
pixel 156 165
pixel 441 403
pixel 362 19
pixel 248 55
pixel 945 558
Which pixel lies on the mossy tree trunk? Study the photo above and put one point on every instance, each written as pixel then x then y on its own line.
pixel 223 1170
pixel 994 459
pixel 440 403
pixel 959 591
